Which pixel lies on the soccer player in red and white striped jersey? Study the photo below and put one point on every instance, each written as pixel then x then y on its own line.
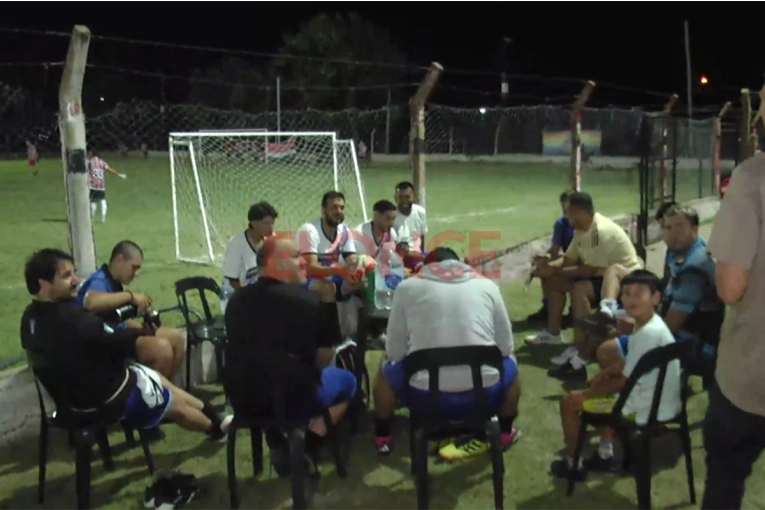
pixel 32 157
pixel 97 182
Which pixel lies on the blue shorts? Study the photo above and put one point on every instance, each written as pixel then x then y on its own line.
pixel 142 415
pixel 454 405
pixel 337 281
pixel 337 386
pixel 623 342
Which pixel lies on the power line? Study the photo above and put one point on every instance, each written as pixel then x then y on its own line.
pixel 308 58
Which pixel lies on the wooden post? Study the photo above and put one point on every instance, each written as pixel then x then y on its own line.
pixel 664 125
pixel 760 116
pixel 417 130
pixel 73 140
pixel 718 146
pixel 576 135
pixel 745 130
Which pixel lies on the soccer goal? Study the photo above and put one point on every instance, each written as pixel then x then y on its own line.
pixel 217 175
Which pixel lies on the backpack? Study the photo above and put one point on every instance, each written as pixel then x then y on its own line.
pixel 346 357
pixel 704 323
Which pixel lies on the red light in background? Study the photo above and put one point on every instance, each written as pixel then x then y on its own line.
pixel 703 80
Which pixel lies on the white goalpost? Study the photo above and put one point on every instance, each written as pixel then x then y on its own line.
pixel 217 175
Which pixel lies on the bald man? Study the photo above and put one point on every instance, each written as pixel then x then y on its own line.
pixel 277 315
pixel 104 292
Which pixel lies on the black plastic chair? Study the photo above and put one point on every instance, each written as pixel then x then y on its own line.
pixel 423 426
pixel 209 328
pixel 637 438
pixel 84 429
pixel 279 380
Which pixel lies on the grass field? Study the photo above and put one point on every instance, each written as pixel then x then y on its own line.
pixel 518 201
pixel 375 483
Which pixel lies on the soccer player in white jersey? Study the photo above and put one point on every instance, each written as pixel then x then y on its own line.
pixel 97 182
pixel 32 157
pixel 322 244
pixel 410 225
pixel 240 265
pixel 378 232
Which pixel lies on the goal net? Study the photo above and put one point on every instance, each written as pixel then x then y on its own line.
pixel 217 175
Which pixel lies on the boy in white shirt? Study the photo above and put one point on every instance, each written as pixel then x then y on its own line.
pixel 240 265
pixel 641 295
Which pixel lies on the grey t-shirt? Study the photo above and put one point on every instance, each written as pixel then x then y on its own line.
pixel 738 239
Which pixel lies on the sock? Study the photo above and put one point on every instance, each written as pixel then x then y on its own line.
pixel 93 206
pixel 506 424
pixel 312 442
pixel 333 323
pixel 275 439
pixel 383 427
pixel 103 210
pixel 571 462
pixel 578 362
pixel 208 411
pixel 606 449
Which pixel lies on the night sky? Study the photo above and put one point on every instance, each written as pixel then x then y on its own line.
pixel 636 55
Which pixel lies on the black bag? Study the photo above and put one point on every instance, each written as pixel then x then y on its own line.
pixel 347 357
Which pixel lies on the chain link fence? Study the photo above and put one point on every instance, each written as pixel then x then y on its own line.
pixel 139 125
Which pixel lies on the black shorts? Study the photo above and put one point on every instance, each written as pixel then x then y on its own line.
pixel 96 195
pixel 597 284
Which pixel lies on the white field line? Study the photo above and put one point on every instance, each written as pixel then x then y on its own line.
pixel 476 214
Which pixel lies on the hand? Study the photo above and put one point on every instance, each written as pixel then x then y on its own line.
pixel 543 272
pixel 599 377
pixel 624 327
pixel 345 273
pixel 142 302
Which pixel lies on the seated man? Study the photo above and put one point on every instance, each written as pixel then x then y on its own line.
pixel 240 263
pixel 563 234
pixel 371 236
pixel 411 224
pixel 93 368
pixel 641 294
pixel 600 254
pixel 277 315
pixel 322 243
pixel 104 292
pixel 690 306
pixel 448 306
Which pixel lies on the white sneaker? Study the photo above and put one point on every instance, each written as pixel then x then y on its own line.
pixel 565 356
pixel 544 337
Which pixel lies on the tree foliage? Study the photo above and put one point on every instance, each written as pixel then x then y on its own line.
pixel 338 78
pixel 324 65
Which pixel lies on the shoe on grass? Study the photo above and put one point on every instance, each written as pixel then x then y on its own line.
pixel 470 446
pixel 544 337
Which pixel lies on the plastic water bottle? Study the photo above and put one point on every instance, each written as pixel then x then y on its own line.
pixel 387 279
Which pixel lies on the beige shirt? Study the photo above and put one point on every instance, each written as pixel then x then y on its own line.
pixel 603 245
pixel 738 239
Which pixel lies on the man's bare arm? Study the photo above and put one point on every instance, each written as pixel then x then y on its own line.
pixel 102 302
pixel 234 282
pixel 731 282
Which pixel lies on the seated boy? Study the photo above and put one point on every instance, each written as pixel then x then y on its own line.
pixel 641 294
